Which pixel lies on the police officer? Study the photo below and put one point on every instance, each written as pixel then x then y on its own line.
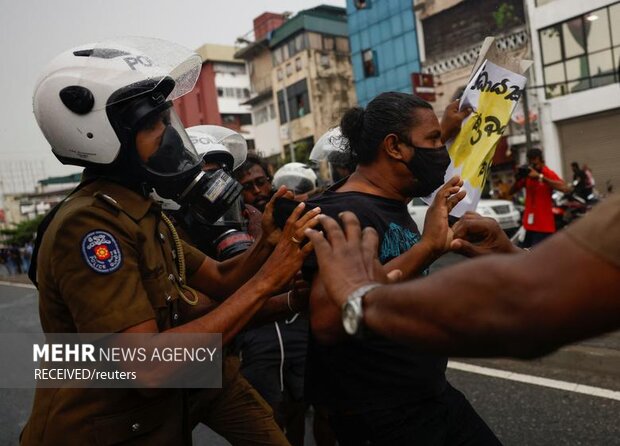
pixel 109 261
pixel 236 410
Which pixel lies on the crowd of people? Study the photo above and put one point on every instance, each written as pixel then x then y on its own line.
pixel 182 231
pixel 15 260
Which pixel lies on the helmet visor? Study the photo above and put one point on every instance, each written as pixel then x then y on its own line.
pixel 138 61
pixel 295 183
pixel 163 146
pixel 332 142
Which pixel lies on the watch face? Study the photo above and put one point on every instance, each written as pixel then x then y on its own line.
pixel 350 319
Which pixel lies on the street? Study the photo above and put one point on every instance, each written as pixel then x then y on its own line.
pixel 520 413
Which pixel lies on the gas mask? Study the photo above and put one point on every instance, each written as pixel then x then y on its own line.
pixel 168 161
pixel 428 167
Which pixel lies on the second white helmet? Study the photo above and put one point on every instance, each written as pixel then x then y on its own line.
pixel 219 144
pixel 297 177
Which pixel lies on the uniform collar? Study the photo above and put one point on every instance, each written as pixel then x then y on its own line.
pixel 129 201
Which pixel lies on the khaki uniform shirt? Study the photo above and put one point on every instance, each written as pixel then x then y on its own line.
pixel 599 231
pixel 85 290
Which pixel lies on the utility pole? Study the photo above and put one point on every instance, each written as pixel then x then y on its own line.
pixel 288 123
pixel 526 115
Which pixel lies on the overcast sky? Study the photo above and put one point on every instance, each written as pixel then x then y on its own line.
pixel 32 32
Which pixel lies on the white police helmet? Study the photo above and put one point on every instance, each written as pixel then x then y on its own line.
pixel 79 100
pixel 297 177
pixel 219 144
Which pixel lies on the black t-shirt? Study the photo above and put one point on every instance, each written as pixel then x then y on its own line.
pixel 358 375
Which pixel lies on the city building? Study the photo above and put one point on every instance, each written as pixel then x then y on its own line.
pixel 254 49
pixel 311 77
pixel 384 46
pixel 23 206
pixel 576 47
pixel 449 47
pixel 222 87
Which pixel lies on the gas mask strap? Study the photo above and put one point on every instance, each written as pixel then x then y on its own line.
pixel 180 263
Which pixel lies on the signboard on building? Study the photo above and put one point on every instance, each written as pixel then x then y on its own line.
pixel 424 86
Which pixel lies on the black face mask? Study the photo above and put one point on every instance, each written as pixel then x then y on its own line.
pixel 428 167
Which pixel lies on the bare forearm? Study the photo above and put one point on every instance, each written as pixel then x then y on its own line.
pixel 431 314
pixel 519 305
pixel 557 185
pixel 414 261
pixel 230 316
pixel 224 278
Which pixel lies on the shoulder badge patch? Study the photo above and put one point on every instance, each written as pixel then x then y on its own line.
pixel 101 252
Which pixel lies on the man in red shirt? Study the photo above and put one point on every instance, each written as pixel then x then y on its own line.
pixel 539 185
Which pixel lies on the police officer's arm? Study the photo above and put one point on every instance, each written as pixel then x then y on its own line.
pixel 284 305
pixel 233 314
pixel 220 279
pixel 520 305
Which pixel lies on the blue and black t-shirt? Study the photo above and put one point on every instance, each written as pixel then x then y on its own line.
pixel 358 375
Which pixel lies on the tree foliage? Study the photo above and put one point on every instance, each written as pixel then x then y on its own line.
pixel 23 232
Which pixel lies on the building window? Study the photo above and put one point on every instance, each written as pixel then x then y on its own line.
pixel 289 69
pixel 324 60
pixel 342 45
pixel 220 92
pixel 280 74
pixel 298 101
pixel 245 119
pixel 369 61
pixel 260 116
pixel 289 48
pixel 277 57
pixel 298 64
pixel 328 43
pixel 582 53
pixel 362 4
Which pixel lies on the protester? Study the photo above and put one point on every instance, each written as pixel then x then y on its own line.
pixel 108 261
pixel 377 391
pixel 590 182
pixel 525 304
pixel 539 183
pixel 580 182
pixel 255 178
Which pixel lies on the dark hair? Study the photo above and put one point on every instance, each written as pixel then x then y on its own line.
pixel 390 112
pixel 251 161
pixel 534 153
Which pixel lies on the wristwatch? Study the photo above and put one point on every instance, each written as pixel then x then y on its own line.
pixel 352 310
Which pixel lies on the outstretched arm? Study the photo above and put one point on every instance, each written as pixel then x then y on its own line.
pixel 520 305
